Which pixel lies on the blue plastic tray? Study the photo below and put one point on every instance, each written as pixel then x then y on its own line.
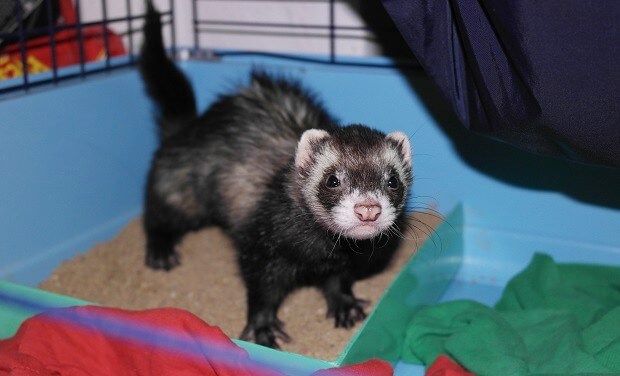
pixel 74 159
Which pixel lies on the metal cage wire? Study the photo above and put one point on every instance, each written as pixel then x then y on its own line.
pixel 21 38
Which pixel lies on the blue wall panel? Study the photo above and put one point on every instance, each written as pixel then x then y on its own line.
pixel 73 161
pixel 72 167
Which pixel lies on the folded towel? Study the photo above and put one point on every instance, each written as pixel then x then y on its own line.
pixel 552 319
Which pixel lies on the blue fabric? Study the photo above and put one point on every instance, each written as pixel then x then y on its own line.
pixel 543 75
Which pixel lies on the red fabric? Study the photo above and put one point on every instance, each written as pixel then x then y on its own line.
pixel 101 341
pixel 16 364
pixel 98 341
pixel 444 366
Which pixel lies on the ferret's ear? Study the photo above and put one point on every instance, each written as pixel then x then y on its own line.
pixel 401 141
pixel 309 140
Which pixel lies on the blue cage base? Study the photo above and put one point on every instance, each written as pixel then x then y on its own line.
pixel 74 161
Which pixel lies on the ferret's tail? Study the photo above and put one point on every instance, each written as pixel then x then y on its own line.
pixel 165 83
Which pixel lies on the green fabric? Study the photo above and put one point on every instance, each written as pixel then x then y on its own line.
pixel 552 319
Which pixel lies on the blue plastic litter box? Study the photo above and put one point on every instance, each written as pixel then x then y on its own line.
pixel 73 161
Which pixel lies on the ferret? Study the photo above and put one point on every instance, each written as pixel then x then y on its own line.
pixel 306 201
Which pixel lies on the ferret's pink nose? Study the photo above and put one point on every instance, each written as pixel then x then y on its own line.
pixel 367 212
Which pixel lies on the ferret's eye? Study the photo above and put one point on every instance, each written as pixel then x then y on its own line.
pixel 332 181
pixel 393 182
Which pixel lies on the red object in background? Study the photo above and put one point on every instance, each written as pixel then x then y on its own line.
pixel 444 366
pixel 39 50
pixel 99 341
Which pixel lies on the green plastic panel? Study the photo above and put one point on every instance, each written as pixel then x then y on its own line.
pixel 421 282
pixel 17 303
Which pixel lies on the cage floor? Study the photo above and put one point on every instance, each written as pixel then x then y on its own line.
pixel 207 284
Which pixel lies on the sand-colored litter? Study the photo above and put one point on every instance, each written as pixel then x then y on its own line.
pixel 208 284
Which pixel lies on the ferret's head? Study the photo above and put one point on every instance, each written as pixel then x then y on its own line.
pixel 354 179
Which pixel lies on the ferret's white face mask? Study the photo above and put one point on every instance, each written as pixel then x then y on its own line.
pixel 355 189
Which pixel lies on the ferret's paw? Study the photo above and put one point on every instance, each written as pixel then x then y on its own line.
pixel 347 311
pixel 266 335
pixel 165 262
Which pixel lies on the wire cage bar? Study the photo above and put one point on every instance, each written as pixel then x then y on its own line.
pixel 45 42
pixel 27 34
pixel 331 29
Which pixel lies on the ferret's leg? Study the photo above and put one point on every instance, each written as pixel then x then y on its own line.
pixel 160 248
pixel 164 227
pixel 342 305
pixel 263 324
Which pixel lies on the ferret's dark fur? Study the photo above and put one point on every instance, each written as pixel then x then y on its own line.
pixel 307 202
